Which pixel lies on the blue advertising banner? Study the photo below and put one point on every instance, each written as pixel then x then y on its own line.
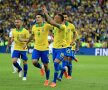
pixel 82 51
pixel 93 51
pixel 2 49
pixel 86 51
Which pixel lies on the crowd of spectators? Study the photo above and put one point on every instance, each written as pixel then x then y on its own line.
pixel 90 17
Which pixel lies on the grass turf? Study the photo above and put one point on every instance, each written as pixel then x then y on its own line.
pixel 90 73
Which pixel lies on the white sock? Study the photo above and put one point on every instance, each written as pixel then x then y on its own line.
pixel 19 62
pixel 14 68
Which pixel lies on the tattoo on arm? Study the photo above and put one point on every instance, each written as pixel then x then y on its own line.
pixel 47 17
pixel 51 21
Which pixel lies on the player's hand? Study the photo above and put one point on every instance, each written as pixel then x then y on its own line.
pixel 25 46
pixel 72 43
pixel 7 49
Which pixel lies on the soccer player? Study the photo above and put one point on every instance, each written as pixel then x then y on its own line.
pixel 71 36
pixel 20 35
pixel 59 45
pixel 12 49
pixel 41 49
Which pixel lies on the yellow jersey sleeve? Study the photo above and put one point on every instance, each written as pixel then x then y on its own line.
pixel 48 26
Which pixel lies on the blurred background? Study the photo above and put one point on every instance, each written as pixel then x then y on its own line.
pixel 90 18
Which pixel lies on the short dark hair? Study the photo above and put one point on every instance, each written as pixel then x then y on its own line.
pixel 40 15
pixel 61 16
pixel 64 13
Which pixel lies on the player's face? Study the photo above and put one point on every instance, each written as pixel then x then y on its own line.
pixel 18 23
pixel 66 17
pixel 39 19
pixel 57 19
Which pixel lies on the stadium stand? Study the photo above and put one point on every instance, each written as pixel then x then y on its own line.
pixel 89 16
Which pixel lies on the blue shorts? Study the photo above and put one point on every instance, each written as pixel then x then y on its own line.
pixel 69 52
pixel 59 53
pixel 41 54
pixel 18 54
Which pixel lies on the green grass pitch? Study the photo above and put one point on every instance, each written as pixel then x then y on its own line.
pixel 89 73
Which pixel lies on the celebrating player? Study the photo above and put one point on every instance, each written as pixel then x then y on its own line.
pixel 10 42
pixel 59 45
pixel 40 34
pixel 20 35
pixel 71 36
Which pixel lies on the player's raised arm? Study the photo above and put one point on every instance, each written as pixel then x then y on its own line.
pixel 50 20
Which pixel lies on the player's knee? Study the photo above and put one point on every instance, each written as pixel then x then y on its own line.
pixel 14 60
pixel 57 61
pixel 24 62
pixel 34 62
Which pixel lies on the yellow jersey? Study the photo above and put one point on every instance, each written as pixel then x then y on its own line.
pixel 60 37
pixel 41 36
pixel 70 29
pixel 22 33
